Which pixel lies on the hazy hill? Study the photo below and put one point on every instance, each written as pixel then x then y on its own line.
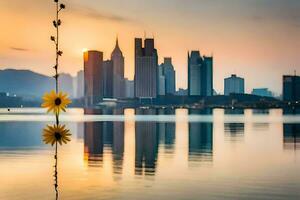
pixel 30 84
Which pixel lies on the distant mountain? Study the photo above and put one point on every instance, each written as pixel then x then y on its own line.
pixel 29 84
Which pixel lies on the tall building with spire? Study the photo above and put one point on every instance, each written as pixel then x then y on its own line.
pixel 117 59
pixel 146 69
pixel 200 75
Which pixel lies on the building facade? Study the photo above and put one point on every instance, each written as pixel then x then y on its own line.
pixel 291 88
pixel 107 79
pixel 170 76
pixel 234 85
pixel 129 88
pixel 200 75
pixel 117 59
pixel 93 62
pixel 146 69
pixel 80 84
pixel 161 81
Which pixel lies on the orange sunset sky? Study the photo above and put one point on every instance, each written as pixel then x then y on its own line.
pixel 256 39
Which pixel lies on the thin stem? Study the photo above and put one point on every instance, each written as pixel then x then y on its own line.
pixel 57 48
pixel 56 173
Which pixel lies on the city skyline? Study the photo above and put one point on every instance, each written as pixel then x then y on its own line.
pixel 244 42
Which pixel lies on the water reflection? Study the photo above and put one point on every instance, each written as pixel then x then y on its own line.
pixel 291 132
pixel 234 131
pixel 200 138
pixel 21 135
pixel 291 136
pixel 146 144
pixel 122 158
pixel 234 112
pixel 93 142
pixel 101 137
pixel 166 131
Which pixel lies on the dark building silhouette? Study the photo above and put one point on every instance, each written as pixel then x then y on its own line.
pixel 234 85
pixel 107 79
pixel 93 63
pixel 291 88
pixel 117 59
pixel 146 145
pixel 200 75
pixel 146 69
pixel 169 76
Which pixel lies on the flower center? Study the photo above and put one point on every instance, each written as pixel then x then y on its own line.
pixel 57 135
pixel 57 101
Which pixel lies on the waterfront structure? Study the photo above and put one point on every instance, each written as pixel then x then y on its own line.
pixel 264 92
pixel 200 75
pixel 146 67
pixel 93 62
pixel 169 74
pixel 291 88
pixel 107 79
pixel 117 59
pixel 234 85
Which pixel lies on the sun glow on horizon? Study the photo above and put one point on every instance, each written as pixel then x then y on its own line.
pixel 84 50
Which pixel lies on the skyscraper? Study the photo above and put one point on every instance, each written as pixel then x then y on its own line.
pixel 169 73
pixel 107 79
pixel 93 61
pixel 200 75
pixel 80 84
pixel 291 88
pixel 161 81
pixel 146 64
pixel 117 59
pixel 234 85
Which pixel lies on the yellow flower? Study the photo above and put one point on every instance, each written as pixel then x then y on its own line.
pixel 56 102
pixel 56 133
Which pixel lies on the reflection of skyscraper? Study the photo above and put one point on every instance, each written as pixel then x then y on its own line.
pixel 105 137
pixel 200 141
pixel 200 138
pixel 234 131
pixel 166 131
pixel 291 136
pixel 146 62
pixel 146 145
pixel 118 143
pixel 93 142
pixel 200 75
pixel 93 61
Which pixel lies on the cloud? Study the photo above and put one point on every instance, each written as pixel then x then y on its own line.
pixel 93 13
pixel 18 49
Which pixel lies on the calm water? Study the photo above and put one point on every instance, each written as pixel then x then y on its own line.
pixel 153 154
